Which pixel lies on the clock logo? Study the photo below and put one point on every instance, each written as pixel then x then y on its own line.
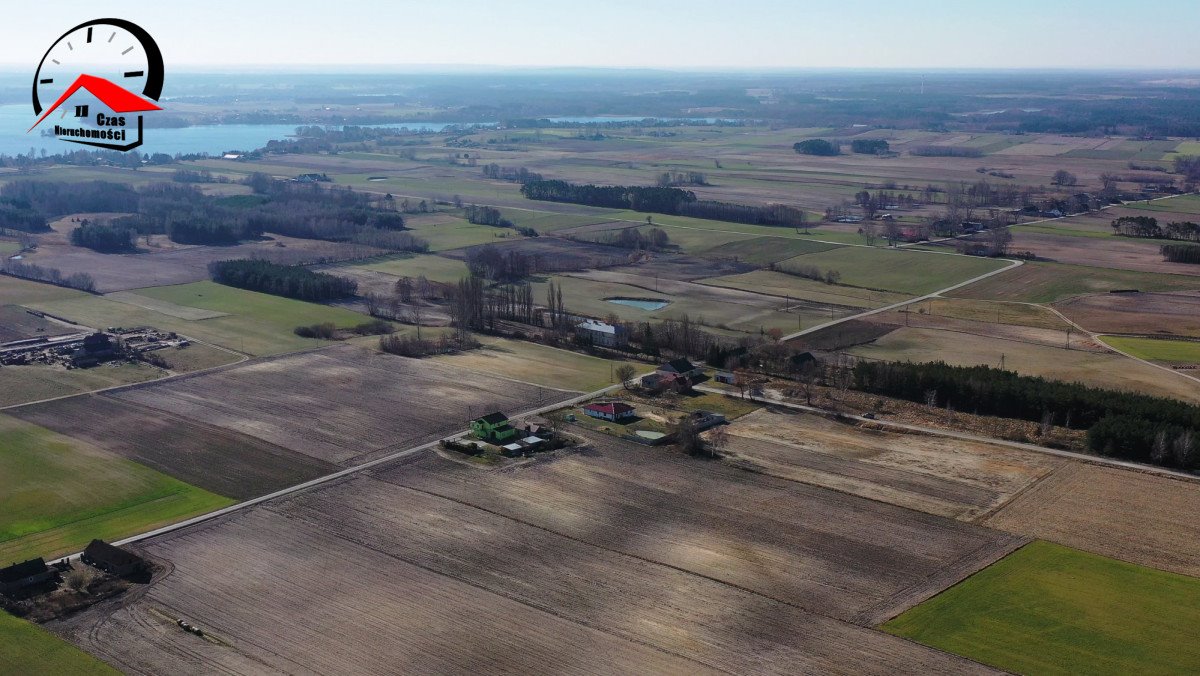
pixel 99 77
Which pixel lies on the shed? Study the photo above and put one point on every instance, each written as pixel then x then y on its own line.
pixel 112 559
pixel 726 377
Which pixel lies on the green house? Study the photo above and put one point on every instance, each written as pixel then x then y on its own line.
pixel 493 427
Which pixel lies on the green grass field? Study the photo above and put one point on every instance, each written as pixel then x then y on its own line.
pixel 791 286
pixel 434 268
pixel 257 323
pixel 458 233
pixel 1184 204
pixel 29 650
pixel 900 271
pixel 764 250
pixel 57 493
pixel 7 246
pixel 1051 282
pixel 1171 351
pixel 1048 609
pixel 15 291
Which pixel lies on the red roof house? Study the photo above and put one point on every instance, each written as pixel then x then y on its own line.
pixel 612 410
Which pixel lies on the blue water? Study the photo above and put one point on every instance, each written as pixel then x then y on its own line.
pixel 212 139
pixel 649 304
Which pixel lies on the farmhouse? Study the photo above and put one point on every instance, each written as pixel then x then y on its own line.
pixel 601 333
pixel 682 367
pixel 112 559
pixel 21 576
pixel 614 411
pixel 493 427
pixel 659 382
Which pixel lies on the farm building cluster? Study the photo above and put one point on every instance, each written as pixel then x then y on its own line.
pixel 35 577
pixel 87 349
pixel 497 430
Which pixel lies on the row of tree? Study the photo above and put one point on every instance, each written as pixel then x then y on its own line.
pixel 1149 227
pixel 653 239
pixel 771 214
pixel 1122 424
pixel 637 198
pixel 1180 253
pixel 289 281
pixel 518 175
pixel 78 280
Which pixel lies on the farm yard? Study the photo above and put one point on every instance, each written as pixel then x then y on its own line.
pixel 367 402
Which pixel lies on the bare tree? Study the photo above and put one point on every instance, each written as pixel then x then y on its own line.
pixel 870 233
pixel 1064 178
pixel 625 373
pixel 718 440
pixel 687 436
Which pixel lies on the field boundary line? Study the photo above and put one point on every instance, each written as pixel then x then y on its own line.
pixel 1012 264
pixel 966 436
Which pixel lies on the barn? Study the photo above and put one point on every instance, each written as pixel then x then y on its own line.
pixel 112 560
pixel 22 576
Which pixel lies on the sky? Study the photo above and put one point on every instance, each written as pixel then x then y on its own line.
pixel 693 34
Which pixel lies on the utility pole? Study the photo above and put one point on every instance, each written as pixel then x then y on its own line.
pixel 1068 337
pixel 1002 356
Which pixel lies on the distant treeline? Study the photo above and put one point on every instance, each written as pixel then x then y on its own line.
pixel 944 151
pixel 654 239
pixel 669 179
pixel 486 216
pixel 1180 253
pixel 521 175
pixel 1148 227
pixel 869 146
pixel 674 201
pixel 1120 424
pixel 817 146
pixel 290 281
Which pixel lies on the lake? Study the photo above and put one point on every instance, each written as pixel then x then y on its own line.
pixel 212 139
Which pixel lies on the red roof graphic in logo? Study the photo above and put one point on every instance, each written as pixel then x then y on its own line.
pixel 119 100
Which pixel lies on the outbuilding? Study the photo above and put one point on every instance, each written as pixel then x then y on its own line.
pixel 112 559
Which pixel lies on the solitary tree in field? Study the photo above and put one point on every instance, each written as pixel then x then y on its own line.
pixel 625 373
pixel 1064 178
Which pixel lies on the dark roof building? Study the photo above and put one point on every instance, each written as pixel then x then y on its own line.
pixel 21 576
pixel 681 366
pixel 493 418
pixel 112 559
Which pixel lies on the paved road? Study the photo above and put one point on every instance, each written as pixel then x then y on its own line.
pixel 341 474
pixel 907 252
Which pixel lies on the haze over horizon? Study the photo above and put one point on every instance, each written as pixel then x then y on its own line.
pixel 764 34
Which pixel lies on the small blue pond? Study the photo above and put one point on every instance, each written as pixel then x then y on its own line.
pixel 649 304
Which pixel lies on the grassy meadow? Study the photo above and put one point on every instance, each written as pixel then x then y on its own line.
pixel 1049 609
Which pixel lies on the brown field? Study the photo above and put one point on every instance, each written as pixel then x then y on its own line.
pixel 359 401
pixel 181 265
pixel 1118 253
pixel 1124 514
pixel 918 318
pixel 221 461
pixel 1176 314
pixel 621 558
pixel 948 477
pixel 17 324
pixel 1107 370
